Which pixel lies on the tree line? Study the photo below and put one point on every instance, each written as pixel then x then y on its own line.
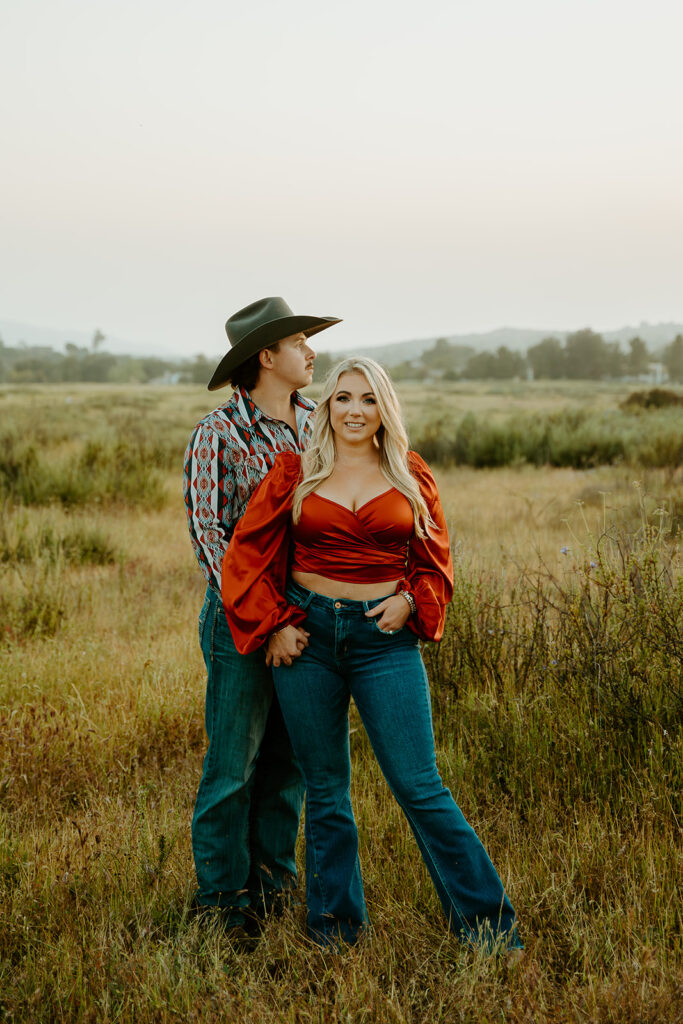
pixel 43 365
pixel 584 355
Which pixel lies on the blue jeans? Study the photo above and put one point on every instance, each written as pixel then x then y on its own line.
pixel 349 656
pixel 246 816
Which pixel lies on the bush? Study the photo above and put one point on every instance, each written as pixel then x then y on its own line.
pixel 80 544
pixel 569 438
pixel 657 398
pixel 127 470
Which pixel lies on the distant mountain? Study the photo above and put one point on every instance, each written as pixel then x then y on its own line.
pixel 518 339
pixel 654 335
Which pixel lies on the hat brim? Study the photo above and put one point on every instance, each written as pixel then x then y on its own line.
pixel 262 337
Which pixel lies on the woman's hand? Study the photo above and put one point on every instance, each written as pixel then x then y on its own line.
pixel 285 645
pixel 394 612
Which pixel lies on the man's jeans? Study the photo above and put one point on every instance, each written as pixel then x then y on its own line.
pixel 348 655
pixel 250 796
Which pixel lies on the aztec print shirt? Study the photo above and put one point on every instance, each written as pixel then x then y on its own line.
pixel 229 453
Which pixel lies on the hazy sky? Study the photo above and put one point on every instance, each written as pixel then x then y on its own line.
pixel 416 168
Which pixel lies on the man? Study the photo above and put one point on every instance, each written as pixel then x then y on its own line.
pixel 248 805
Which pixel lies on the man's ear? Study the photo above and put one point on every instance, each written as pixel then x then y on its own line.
pixel 266 358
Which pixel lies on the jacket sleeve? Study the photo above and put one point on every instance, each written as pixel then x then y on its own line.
pixel 429 573
pixel 254 571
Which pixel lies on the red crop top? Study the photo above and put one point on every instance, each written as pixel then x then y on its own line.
pixel 369 545
pixel 374 544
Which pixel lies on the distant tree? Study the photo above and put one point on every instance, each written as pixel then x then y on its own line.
pixel 408 370
pixel 587 357
pixel 480 366
pixel 638 358
pixel 198 371
pixel 153 367
pixel 501 365
pixel 509 364
pixel 36 366
pixel 546 359
pixel 615 361
pixel 439 357
pixel 672 357
pixel 97 339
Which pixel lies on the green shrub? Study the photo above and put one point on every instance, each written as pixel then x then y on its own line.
pixel 569 438
pixel 22 542
pixel 656 398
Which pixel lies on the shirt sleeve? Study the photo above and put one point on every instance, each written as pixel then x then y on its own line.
pixel 207 480
pixel 429 575
pixel 255 565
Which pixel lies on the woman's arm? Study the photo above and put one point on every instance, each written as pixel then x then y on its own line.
pixel 429 575
pixel 254 570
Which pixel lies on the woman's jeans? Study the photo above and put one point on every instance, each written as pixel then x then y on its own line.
pixel 349 656
pixel 246 816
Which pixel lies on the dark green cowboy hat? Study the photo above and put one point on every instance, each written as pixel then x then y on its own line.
pixel 259 325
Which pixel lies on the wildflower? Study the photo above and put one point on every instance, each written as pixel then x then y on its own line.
pixel 564 550
pixel 593 565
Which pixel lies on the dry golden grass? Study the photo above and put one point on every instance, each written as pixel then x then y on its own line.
pixel 101 743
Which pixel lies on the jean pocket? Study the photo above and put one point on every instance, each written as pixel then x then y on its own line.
pixel 298 595
pixel 387 632
pixel 202 618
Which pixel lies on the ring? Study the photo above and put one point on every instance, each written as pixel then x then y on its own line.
pixel 390 632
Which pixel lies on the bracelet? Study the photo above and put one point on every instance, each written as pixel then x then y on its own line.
pixel 410 599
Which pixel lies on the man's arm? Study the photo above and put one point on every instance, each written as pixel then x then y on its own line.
pixel 208 486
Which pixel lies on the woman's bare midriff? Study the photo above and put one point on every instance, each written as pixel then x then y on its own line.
pixel 338 588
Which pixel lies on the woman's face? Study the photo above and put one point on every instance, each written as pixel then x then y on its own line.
pixel 354 416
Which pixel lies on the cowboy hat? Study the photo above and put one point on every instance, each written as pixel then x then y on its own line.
pixel 259 325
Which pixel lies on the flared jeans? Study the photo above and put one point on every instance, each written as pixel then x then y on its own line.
pixel 349 656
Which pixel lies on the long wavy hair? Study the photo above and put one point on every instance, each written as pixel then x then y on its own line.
pixel 391 439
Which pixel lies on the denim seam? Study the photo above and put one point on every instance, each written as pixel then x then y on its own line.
pixel 210 754
pixel 415 826
pixel 446 889
pixel 318 876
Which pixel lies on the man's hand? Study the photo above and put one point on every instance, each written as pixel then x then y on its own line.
pixel 286 645
pixel 394 612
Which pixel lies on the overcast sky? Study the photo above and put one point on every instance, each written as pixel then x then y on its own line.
pixel 415 168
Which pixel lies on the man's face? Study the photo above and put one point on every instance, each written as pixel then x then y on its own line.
pixel 293 361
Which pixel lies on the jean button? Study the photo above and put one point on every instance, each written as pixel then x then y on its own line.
pixel 337 604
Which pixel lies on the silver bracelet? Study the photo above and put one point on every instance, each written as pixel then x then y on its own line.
pixel 410 599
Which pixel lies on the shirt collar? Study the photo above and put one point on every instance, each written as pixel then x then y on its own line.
pixel 251 414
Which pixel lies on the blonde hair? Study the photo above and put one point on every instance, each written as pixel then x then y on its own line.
pixel 318 460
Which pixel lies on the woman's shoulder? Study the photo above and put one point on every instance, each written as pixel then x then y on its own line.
pixel 417 465
pixel 421 471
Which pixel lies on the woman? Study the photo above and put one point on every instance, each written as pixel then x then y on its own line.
pixel 370 573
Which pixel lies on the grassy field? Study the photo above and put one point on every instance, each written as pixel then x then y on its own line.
pixel 557 706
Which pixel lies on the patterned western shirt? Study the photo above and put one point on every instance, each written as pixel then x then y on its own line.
pixel 229 453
